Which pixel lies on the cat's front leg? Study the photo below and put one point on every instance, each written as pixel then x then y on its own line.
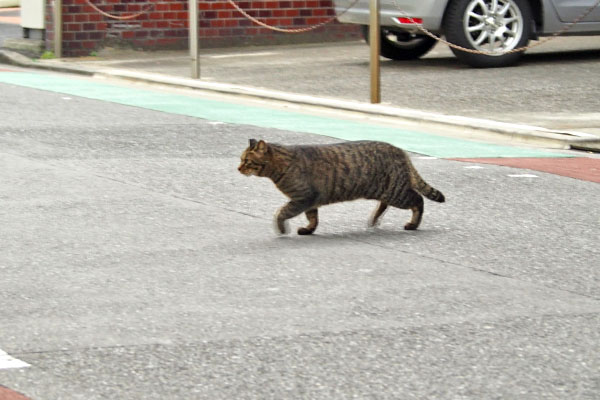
pixel 290 210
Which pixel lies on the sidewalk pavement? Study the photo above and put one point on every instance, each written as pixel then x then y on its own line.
pixel 332 76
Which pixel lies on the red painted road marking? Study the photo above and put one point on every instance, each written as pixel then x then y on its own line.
pixel 7 394
pixel 583 168
pixel 10 20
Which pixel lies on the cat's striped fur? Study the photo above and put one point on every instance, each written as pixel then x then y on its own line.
pixel 312 176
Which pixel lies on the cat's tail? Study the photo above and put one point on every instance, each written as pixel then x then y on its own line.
pixel 423 187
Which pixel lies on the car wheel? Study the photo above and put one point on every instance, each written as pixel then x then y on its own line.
pixel 401 45
pixel 492 26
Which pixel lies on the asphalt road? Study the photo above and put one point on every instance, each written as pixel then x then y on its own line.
pixel 137 263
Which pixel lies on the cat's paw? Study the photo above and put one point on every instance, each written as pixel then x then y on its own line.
pixel 305 231
pixel 281 227
pixel 410 226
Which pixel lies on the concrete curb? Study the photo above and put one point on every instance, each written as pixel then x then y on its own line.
pixel 524 133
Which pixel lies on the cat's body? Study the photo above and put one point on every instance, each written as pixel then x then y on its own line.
pixel 313 176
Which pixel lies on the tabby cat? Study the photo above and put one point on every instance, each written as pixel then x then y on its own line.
pixel 312 176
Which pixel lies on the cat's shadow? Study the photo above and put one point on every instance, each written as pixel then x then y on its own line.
pixel 365 235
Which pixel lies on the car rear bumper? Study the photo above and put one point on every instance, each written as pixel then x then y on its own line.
pixel 430 11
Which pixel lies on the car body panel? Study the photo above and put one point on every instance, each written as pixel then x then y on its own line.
pixel 569 10
pixel 389 9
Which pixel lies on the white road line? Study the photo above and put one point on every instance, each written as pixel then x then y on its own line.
pixel 257 54
pixel 523 176
pixel 7 361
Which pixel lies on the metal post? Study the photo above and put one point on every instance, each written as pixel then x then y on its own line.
pixel 375 42
pixel 193 39
pixel 58 31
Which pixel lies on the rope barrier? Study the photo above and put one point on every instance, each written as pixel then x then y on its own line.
pixel 119 17
pixel 331 19
pixel 285 30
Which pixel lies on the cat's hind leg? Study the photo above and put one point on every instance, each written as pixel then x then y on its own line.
pixel 413 201
pixel 377 213
pixel 313 221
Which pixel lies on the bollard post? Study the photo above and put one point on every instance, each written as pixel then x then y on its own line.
pixel 375 42
pixel 193 37
pixel 58 31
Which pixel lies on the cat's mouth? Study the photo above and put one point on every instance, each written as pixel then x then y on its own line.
pixel 246 172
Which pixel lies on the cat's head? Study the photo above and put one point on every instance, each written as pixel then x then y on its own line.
pixel 255 158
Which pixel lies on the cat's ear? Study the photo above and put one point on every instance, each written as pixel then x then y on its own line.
pixel 252 143
pixel 262 147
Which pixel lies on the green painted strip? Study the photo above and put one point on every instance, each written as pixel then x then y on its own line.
pixel 418 142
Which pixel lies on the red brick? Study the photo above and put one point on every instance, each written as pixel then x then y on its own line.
pixel 313 21
pixel 166 41
pixel 219 6
pixel 81 18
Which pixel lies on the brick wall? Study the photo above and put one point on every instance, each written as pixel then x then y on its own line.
pixel 163 24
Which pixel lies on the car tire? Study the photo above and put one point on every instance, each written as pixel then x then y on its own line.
pixel 468 24
pixel 400 45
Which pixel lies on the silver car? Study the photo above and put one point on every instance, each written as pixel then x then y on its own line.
pixel 490 27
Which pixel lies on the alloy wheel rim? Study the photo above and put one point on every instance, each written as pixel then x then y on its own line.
pixel 493 26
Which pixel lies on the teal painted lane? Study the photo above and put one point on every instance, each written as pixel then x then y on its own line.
pixel 418 142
